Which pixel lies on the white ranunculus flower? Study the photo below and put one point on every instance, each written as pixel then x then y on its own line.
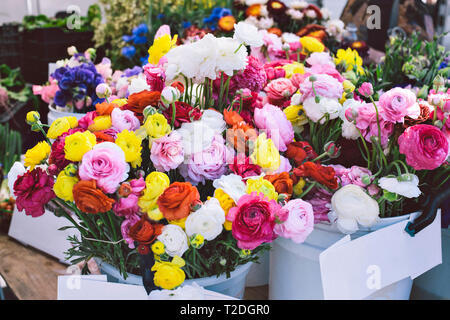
pixel 311 14
pixel 252 2
pixel 315 111
pixel 186 292
pixel 232 185
pixel 351 206
pixel 16 170
pixel 295 14
pixel 252 20
pixel 196 137
pixel 320 58
pixel 227 60
pixel 247 34
pixel 290 37
pixel 174 239
pixel 406 185
pixel 265 23
pixel 214 120
pixel 138 84
pixel 207 220
pixel 335 27
pixel 298 4
pixel 170 94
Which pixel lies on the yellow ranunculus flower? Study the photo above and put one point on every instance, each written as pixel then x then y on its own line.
pixel 36 155
pixel 156 183
pixel 33 117
pixel 311 44
pixel 261 185
pixel 298 188
pixel 101 123
pixel 296 116
pixel 350 59
pixel 63 186
pixel 77 144
pixel 293 68
pixel 226 203
pixel 130 143
pixel 180 222
pixel 120 102
pixel 158 248
pixel 156 126
pixel 61 125
pixel 160 47
pixel 265 154
pixel 169 275
pixel 348 86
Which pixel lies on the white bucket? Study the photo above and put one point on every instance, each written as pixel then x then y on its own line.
pixel 54 114
pixel 259 272
pixel 233 286
pixel 433 284
pixel 295 268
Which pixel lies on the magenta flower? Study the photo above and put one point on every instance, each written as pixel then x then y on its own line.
pixel 127 206
pixel 155 76
pixel 253 220
pixel 33 190
pixel 424 146
pixel 125 227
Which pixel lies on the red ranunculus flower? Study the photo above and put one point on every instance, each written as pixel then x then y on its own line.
pixel 33 190
pixel 57 155
pixel 324 175
pixel 242 166
pixel 184 113
pixel 300 151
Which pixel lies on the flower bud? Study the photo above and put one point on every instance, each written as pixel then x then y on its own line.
pixel 296 99
pixel 366 89
pixel 348 86
pixel 439 81
pixel 197 241
pixel 125 190
pixel 148 111
pixel 71 170
pixel 332 150
pixel 33 117
pixel 223 261
pixel 170 95
pixel 103 90
pixel 72 50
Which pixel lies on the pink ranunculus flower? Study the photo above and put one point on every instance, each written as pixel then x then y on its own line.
pixel 320 199
pixel 167 152
pixel 280 90
pixel 285 165
pixel 33 190
pixel 125 228
pixel 104 69
pixel 47 92
pixel 124 120
pixel 366 89
pixel 320 58
pixel 253 220
pixel 87 120
pixel 127 206
pixel 208 164
pixel 278 128
pixel 325 69
pixel 299 223
pixel 425 146
pixel 397 103
pixel 105 164
pixel 324 85
pixel 155 76
pixel 353 175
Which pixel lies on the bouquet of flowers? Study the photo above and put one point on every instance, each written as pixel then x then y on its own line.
pixel 223 152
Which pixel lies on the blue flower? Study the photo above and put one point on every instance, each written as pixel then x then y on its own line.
pixel 160 16
pixel 186 24
pixel 61 98
pixel 140 40
pixel 140 30
pixel 128 52
pixel 144 60
pixel 443 65
pixel 127 38
pixel 133 72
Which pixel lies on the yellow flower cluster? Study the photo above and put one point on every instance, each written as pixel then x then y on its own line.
pixel 350 59
pixel 37 155
pixel 169 275
pixel 60 126
pixel 77 144
pixel 261 185
pixel 130 143
pixel 156 183
pixel 265 154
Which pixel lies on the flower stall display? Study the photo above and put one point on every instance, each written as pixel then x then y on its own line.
pixel 223 145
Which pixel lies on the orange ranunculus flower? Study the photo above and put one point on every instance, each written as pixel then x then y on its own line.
pixel 138 101
pixel 310 28
pixel 276 31
pixel 179 85
pixel 240 135
pixel 88 198
pixel 144 231
pixel 318 34
pixel 253 10
pixel 232 117
pixel 103 137
pixel 177 200
pixel 226 23
pixel 105 108
pixel 282 182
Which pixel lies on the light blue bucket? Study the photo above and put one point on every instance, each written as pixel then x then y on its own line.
pixel 233 286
